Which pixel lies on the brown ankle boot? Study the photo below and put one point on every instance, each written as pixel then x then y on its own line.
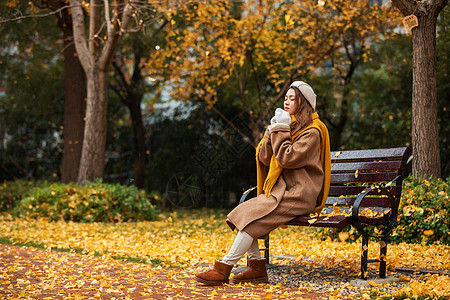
pixel 217 276
pixel 256 272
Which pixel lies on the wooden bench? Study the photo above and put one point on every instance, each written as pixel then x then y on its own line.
pixel 365 190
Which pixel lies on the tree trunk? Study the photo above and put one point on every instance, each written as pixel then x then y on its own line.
pixel 75 93
pixel 337 129
pixel 93 152
pixel 425 135
pixel 74 110
pixel 131 95
pixel 96 57
pixel 140 157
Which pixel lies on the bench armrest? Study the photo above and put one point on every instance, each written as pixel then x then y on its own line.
pixel 245 194
pixel 390 223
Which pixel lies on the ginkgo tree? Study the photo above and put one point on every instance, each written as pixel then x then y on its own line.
pixel 252 50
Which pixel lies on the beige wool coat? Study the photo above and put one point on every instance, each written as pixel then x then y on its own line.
pixel 296 190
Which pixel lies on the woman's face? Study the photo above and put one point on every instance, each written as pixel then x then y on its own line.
pixel 290 105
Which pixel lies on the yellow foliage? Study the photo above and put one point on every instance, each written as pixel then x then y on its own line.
pixel 436 285
pixel 11 3
pixel 185 239
pixel 428 232
pixel 306 36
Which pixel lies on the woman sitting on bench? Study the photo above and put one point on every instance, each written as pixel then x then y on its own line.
pixel 293 177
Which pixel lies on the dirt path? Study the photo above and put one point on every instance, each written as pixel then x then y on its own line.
pixel 29 273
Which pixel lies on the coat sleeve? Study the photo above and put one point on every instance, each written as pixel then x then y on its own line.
pixel 266 152
pixel 297 154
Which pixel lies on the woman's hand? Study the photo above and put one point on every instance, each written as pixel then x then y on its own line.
pixel 281 118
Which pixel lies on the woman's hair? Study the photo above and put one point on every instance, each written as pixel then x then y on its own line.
pixel 304 111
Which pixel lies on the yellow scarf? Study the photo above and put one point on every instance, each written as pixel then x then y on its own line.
pixel 267 177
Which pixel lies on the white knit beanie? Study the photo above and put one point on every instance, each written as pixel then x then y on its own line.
pixel 307 91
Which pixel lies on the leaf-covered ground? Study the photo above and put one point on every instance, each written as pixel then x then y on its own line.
pixel 184 243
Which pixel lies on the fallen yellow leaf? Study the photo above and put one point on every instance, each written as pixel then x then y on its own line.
pixel 372 283
pixel 311 221
pixel 343 236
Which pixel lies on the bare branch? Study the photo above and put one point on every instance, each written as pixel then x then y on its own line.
pixel 36 15
pixel 79 35
pixel 107 18
pixel 120 22
pixel 94 26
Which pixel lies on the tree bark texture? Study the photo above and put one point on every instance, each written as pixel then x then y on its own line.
pixel 94 144
pixel 74 94
pixel 425 134
pixel 95 55
pixel 74 112
pixel 74 100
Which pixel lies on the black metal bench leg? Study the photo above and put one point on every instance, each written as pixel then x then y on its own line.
pixel 364 253
pixel 266 250
pixel 383 251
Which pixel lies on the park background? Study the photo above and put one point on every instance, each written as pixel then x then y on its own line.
pixel 186 91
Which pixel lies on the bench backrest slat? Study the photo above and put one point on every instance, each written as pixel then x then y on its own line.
pixel 362 177
pixel 353 171
pixel 368 166
pixel 355 190
pixel 369 201
pixel 371 154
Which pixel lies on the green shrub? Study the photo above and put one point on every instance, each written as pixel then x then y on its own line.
pixel 11 192
pixel 423 214
pixel 93 202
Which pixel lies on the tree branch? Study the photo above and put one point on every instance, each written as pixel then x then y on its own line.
pixel 107 18
pixel 120 21
pixel 57 11
pixel 79 35
pixel 94 27
pixel 406 7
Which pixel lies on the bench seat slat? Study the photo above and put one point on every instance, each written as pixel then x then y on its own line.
pixel 339 221
pixel 334 221
pixel 329 211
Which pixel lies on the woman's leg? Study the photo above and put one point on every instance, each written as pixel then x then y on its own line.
pixel 253 252
pixel 256 273
pixel 242 243
pixel 222 269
